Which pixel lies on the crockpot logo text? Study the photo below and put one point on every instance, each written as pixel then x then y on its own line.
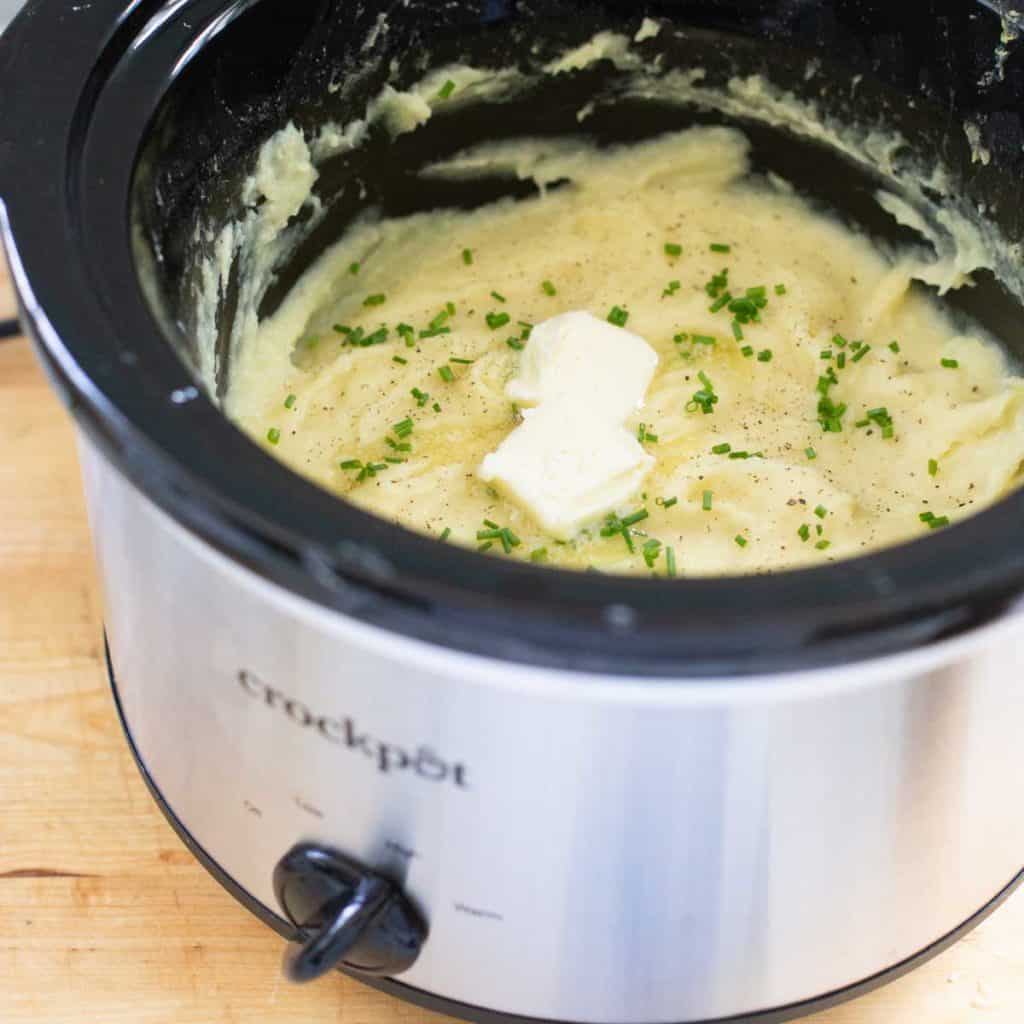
pixel 343 732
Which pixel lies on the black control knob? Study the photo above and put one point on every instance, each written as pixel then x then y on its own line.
pixel 344 914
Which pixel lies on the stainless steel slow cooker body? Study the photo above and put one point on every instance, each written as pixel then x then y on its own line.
pixel 522 792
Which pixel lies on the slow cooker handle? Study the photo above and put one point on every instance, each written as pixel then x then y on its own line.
pixel 344 914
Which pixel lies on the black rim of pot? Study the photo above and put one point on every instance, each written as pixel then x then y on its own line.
pixel 77 102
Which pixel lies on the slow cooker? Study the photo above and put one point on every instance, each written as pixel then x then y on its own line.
pixel 493 789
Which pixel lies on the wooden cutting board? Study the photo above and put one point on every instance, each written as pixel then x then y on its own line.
pixel 104 916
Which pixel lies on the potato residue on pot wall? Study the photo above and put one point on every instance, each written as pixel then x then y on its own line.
pixel 848 405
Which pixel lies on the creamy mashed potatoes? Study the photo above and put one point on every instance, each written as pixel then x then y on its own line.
pixel 810 403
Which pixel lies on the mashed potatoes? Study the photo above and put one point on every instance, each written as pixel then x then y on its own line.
pixel 809 404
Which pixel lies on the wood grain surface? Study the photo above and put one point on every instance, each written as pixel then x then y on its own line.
pixel 104 917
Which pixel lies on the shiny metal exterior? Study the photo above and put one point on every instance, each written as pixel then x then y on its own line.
pixel 584 848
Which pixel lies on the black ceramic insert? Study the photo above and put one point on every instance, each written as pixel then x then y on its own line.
pixel 143 120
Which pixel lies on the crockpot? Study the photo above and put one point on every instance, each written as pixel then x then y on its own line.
pixel 490 788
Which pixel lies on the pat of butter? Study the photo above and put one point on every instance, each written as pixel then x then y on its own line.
pixel 576 355
pixel 575 458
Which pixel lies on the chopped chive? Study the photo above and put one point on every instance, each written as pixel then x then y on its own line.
pixel 485 547
pixel 722 449
pixel 933 521
pixel 707 501
pixel 614 526
pixel 467 257
pixel 353 269
pixel 548 288
pixel 378 337
pixel 720 303
pixel 780 289
pixel 739 455
pixel 400 360
pixel 403 429
pixel 718 284
pixel 826 353
pixel 446 533
pixel 669 502
pixel 747 310
pixel 894 346
pixel 516 344
pixel 673 249
pixel 839 341
pixel 636 517
pixel 720 247
pixel 375 300
pixel 823 545
pixel 705 399
pixel 498 296
pixel 462 362
pixel 741 540
pixel 764 356
pixel 290 401
pixel 671 288
pixel 273 435
pixel 670 562
pixel 651 552
pixel 703 339
pixel 351 464
pixel 747 351
pixel 819 529
pixel 436 407
pixel 445 373
pixel 933 467
pixel 618 316
pixel 446 90
pixel 950 364
pixel 421 397
pixel 804 533
pixel 737 330
pixel 810 453
pixel 496 320
pixel 861 353
pixel 395 461
pixel 539 555
pixel 821 512
pixel 841 360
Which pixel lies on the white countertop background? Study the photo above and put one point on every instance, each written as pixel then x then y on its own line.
pixel 8 8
